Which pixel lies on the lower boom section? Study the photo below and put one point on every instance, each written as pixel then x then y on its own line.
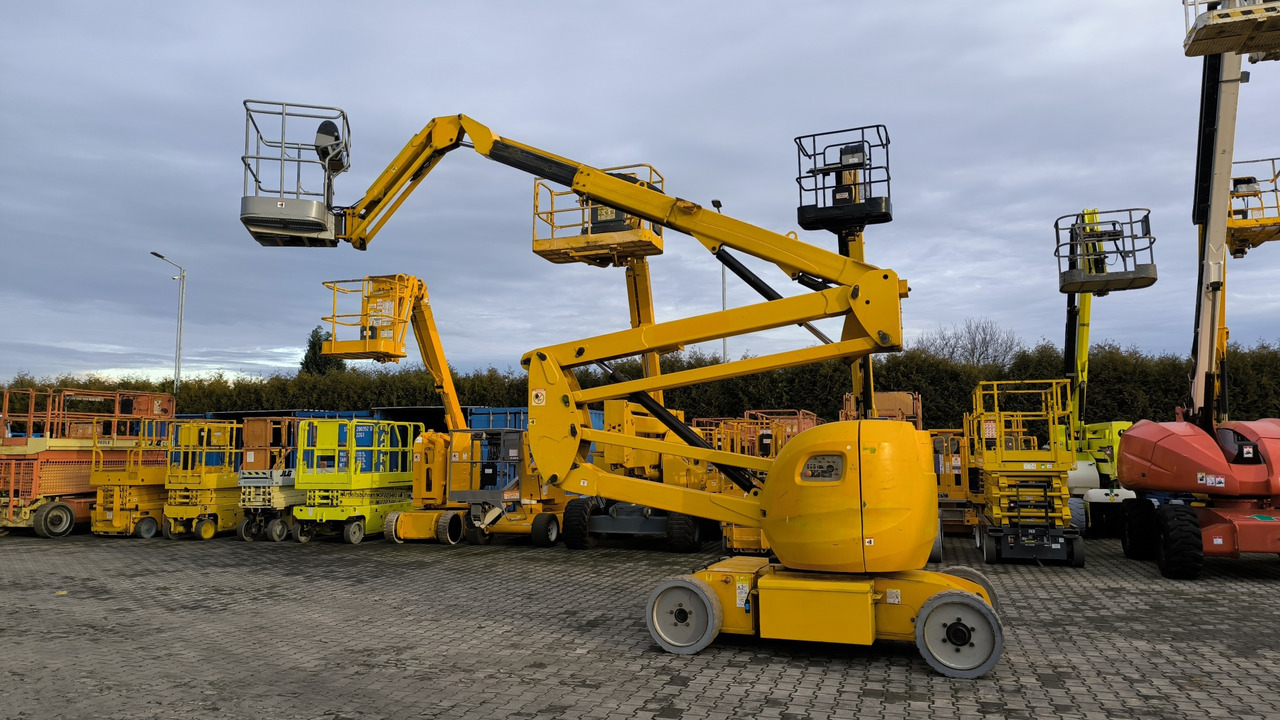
pixel 952 616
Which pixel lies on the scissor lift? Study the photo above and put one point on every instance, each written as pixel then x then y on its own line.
pixel 202 479
pixel 130 496
pixel 1024 459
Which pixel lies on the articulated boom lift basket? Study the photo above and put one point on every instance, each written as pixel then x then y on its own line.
pixel 1239 26
pixel 1255 205
pixel 386 304
pixel 289 166
pixel 1100 251
pixel 570 228
pixel 843 177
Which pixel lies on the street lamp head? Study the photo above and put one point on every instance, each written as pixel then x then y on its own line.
pixel 153 252
pixel 716 204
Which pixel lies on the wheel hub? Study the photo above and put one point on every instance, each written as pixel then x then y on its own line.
pixel 957 633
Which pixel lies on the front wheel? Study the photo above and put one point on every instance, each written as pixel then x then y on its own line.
pixel 577 524
pixel 449 528
pixel 206 528
pixel 965 572
pixel 1138 532
pixel 146 528
pixel 353 532
pixel 683 533
pixel 1077 552
pixel 244 530
pixel 990 550
pixel 54 520
pixel 959 635
pixel 477 536
pixel 303 531
pixel 1180 551
pixel 684 615
pixel 545 531
pixel 166 530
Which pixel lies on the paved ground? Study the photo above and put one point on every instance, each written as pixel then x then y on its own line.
pixel 118 628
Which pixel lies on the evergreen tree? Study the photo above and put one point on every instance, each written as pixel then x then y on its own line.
pixel 316 363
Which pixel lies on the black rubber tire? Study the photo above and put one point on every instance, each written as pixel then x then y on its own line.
pixel 303 532
pixel 54 520
pixel 1079 514
pixel 146 528
pixel 166 531
pixel 277 530
pixel 353 532
pixel 450 528
pixel 545 531
pixel 684 533
pixel 244 530
pixel 1077 551
pixel 575 528
pixel 1180 551
pixel 990 550
pixel 1139 534
pixel 477 536
pixel 965 572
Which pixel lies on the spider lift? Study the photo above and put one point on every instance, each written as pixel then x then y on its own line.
pixel 1207 485
pixel 850 508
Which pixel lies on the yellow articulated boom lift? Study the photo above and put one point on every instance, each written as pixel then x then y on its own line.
pixel 759 433
pixel 476 481
pixel 130 497
pixel 202 480
pixel 267 471
pixel 1099 252
pixel 850 508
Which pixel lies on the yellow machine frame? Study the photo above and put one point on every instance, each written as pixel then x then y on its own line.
pixel 851 508
pixel 131 494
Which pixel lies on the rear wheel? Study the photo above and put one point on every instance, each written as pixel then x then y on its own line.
pixel 244 530
pixel 935 554
pixel 353 532
pixel 449 528
pixel 545 531
pixel 577 524
pixel 477 536
pixel 389 528
pixel 277 530
pixel 167 531
pixel 990 550
pixel 1077 552
pixel 206 528
pixel 683 533
pixel 1180 552
pixel 1138 534
pixel 54 520
pixel 959 635
pixel 146 528
pixel 684 615
pixel 965 572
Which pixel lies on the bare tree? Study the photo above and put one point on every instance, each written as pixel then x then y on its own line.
pixel 980 342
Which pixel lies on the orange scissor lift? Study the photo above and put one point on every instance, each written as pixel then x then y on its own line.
pixel 47 449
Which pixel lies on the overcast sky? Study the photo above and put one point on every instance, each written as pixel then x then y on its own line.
pixel 122 130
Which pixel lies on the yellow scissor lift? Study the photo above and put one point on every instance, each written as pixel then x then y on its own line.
pixel 131 494
pixel 1016 443
pixel 355 472
pixel 202 480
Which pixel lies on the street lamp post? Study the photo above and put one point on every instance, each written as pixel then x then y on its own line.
pixel 724 296
pixel 181 277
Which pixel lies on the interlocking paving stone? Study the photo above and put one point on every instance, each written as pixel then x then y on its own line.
pixel 121 628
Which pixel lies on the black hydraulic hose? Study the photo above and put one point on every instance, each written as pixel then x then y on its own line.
pixel 735 474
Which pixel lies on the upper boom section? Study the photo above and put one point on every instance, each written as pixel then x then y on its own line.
pixel 279 216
